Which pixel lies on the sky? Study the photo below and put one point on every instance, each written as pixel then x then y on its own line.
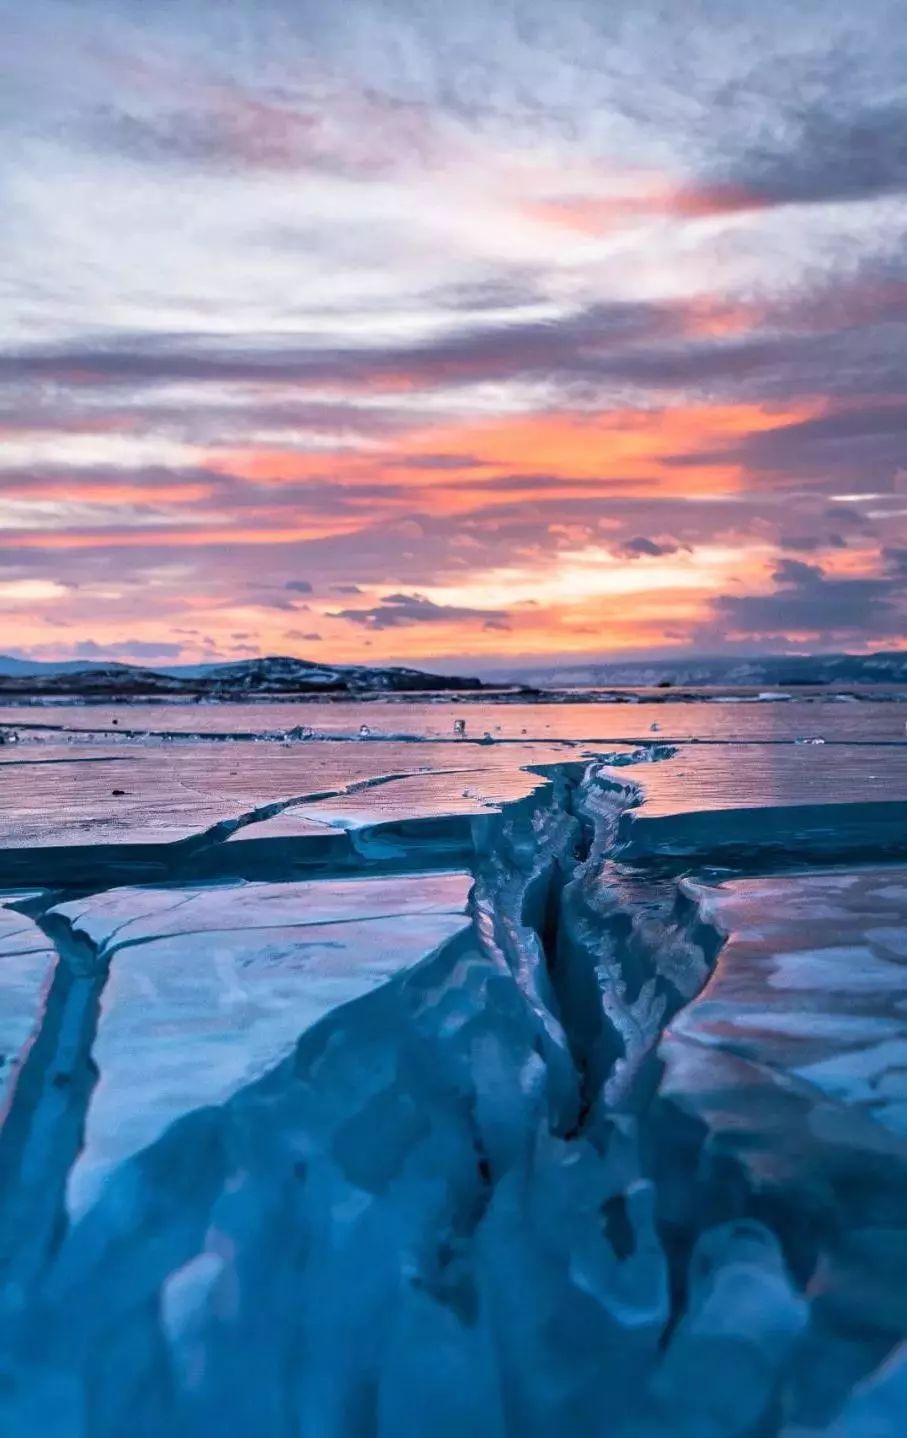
pixel 441 332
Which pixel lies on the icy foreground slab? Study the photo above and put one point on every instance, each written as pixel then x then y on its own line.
pixel 210 988
pixel 152 813
pixel 787 1079
pixel 144 793
pixel 404 1177
pixel 27 960
pixel 413 1134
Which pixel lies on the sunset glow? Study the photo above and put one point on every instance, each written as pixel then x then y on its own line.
pixel 392 332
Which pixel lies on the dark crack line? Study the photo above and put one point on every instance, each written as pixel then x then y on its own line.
pixel 44 1128
pixel 110 951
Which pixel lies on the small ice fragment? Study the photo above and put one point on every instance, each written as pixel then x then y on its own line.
pixel 459 728
pixel 809 741
pixel 300 731
pixel 364 731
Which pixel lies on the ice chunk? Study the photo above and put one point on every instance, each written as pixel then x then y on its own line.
pixel 27 962
pixel 299 731
pixel 209 989
pixel 720 1374
pixel 787 1080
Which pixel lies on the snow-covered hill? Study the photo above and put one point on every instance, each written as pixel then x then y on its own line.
pixel 273 675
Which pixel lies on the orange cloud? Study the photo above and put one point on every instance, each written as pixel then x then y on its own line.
pixel 706 317
pixel 614 447
pixel 653 199
pixel 151 535
pixel 88 491
pixel 584 453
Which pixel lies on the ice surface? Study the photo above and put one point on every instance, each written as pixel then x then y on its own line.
pixel 877 1408
pixel 27 960
pixel 792 1064
pixel 576 721
pixel 209 989
pixel 399 1172
pixel 724 1361
pixel 420 1085
pixel 716 777
pixel 154 794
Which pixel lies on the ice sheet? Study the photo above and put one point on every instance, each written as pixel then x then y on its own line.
pixel 27 960
pixel 209 989
pixel 143 794
pixel 289 1152
pixel 812 983
pixel 571 721
pixel 785 1090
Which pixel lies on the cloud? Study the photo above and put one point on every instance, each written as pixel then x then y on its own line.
pixel 264 597
pixel 809 603
pixel 389 341
pixel 300 634
pixel 809 543
pixel 336 128
pixel 133 648
pixel 642 548
pixel 593 215
pixel 579 341
pixel 839 337
pixel 831 150
pixel 856 444
pixel 397 611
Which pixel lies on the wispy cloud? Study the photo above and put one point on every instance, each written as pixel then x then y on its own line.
pixel 419 307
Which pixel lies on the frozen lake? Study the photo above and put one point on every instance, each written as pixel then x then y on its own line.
pixel 711 718
pixel 572 1045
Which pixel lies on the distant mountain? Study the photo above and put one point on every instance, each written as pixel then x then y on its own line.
pixel 281 675
pixel 277 675
pixel 690 671
pixel 10 664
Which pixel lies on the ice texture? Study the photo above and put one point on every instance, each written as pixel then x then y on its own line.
pixel 209 989
pixel 788 1075
pixel 371 1087
pixel 27 960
